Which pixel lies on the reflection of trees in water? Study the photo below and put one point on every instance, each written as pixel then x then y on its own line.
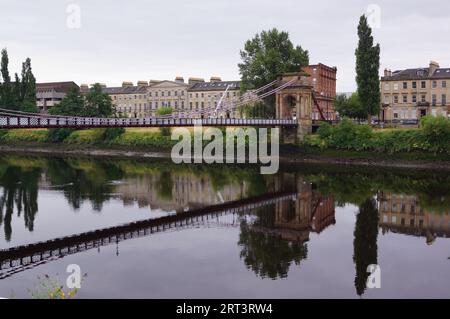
pixel 86 180
pixel 20 192
pixel 265 254
pixel 431 189
pixel 365 249
pixel 165 186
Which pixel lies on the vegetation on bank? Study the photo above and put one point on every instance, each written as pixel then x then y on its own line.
pixel 433 136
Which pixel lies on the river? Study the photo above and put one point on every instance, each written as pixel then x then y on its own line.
pixel 210 231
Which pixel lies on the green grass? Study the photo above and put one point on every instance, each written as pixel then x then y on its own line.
pixel 25 135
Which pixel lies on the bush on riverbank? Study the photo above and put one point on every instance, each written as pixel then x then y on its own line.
pixel 433 136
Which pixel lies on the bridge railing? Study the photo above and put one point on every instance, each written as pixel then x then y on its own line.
pixel 19 121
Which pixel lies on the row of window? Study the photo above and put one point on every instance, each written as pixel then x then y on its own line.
pixel 169 93
pixel 152 105
pixel 423 85
pixel 423 99
pixel 166 93
pixel 197 95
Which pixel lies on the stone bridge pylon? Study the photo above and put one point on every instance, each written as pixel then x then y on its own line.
pixel 295 102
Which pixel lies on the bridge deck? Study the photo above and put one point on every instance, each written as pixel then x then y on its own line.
pixel 15 122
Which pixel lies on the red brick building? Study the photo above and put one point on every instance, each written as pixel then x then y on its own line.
pixel 323 80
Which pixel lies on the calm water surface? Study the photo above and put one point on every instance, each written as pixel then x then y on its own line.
pixel 307 232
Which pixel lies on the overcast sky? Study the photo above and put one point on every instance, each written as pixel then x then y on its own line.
pixel 143 40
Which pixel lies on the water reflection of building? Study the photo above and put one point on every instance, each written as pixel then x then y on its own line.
pixel 311 211
pixel 184 191
pixel 403 214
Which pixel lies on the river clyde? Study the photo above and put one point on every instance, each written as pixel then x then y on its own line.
pixel 174 231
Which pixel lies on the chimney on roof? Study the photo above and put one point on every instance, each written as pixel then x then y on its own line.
pixel 84 87
pixel 195 80
pixel 386 72
pixel 127 84
pixel 142 83
pixel 153 82
pixel 433 67
pixel 179 79
pixel 215 79
pixel 103 85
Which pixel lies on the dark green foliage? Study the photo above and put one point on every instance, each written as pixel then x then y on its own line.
pixel 437 133
pixel 434 136
pixel 72 104
pixel 94 104
pixel 164 111
pixel 346 135
pixel 350 107
pixel 112 133
pixel 165 131
pixel 268 256
pixel 97 103
pixel 6 92
pixel 20 94
pixel 367 69
pixel 58 135
pixel 27 97
pixel 365 248
pixel 165 186
pixel 268 55
pixel 19 193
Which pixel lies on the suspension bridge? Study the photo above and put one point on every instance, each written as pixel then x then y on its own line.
pixel 294 100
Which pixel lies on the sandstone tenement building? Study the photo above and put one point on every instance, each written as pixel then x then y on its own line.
pixel 408 95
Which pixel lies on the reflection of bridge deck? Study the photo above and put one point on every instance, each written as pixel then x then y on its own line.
pixel 20 258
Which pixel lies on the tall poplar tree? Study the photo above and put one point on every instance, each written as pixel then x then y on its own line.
pixel 28 88
pixel 367 69
pixel 6 92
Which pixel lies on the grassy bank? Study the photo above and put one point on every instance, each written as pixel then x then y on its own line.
pixel 149 139
pixel 433 137
pixel 343 141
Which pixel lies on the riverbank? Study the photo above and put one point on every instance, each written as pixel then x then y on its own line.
pixel 288 155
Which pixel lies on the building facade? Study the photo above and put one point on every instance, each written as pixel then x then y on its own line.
pixel 128 100
pixel 323 80
pixel 208 95
pixel 408 95
pixel 171 94
pixel 50 94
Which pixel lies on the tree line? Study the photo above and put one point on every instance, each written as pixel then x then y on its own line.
pixel 20 94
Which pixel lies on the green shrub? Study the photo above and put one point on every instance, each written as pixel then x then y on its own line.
pixel 325 130
pixel 437 132
pixel 348 135
pixel 2 133
pixel 112 133
pixel 58 135
pixel 434 136
pixel 165 131
pixel 92 136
